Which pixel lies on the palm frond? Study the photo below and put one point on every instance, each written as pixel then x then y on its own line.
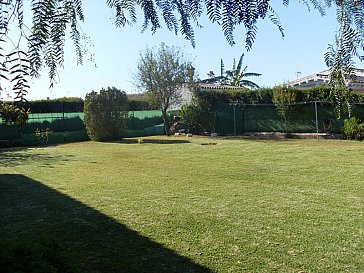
pixel 240 63
pixel 222 67
pixel 249 84
pixel 250 74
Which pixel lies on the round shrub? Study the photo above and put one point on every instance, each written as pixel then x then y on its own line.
pixel 105 114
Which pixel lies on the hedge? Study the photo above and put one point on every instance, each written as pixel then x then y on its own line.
pixel 69 105
pixel 265 95
pixel 59 105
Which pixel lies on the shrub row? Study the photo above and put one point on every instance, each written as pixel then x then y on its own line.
pixel 59 105
pixel 265 95
pixel 201 112
pixel 68 105
pixel 142 104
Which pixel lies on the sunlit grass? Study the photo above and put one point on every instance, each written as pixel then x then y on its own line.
pixel 236 206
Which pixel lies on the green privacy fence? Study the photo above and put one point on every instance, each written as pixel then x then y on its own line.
pixel 310 117
pixel 69 127
pixel 62 127
pixel 228 119
pixel 146 123
pixel 56 122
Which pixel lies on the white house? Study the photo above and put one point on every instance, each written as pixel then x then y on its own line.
pixel 323 78
pixel 187 94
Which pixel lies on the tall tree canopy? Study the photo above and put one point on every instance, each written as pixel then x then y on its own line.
pixel 45 37
pixel 162 72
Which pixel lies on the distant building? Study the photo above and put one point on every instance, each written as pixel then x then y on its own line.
pixel 187 94
pixel 186 97
pixel 218 87
pixel 136 96
pixel 322 78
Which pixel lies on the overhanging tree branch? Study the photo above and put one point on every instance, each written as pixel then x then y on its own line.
pixel 52 18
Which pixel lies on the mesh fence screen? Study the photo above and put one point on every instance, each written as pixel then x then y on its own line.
pixel 300 118
pixel 56 122
pixel 63 127
pixel 229 119
pixel 68 127
pixel 138 120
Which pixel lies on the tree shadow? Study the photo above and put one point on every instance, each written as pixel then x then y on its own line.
pixel 153 141
pixel 19 156
pixel 30 210
pixel 54 123
pixel 281 137
pixel 136 123
pixel 257 137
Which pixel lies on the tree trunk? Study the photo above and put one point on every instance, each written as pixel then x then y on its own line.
pixel 165 121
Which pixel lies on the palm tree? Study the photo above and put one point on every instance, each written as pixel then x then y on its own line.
pixel 213 79
pixel 234 76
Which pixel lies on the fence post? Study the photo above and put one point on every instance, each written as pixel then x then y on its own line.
pixel 317 129
pixel 64 127
pixel 242 119
pixel 234 119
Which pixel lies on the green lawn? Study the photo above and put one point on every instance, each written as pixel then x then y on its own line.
pixel 174 205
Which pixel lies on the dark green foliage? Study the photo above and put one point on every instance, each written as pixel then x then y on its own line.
pixel 69 105
pixel 353 129
pixel 12 114
pixel 265 95
pixel 105 114
pixel 284 98
pixel 142 104
pixel 66 105
pixel 34 257
pixel 262 95
pixel 257 110
pixel 198 115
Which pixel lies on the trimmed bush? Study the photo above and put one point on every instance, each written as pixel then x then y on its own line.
pixel 106 114
pixel 353 129
pixel 71 104
pixel 265 95
pixel 198 116
pixel 59 105
pixel 142 104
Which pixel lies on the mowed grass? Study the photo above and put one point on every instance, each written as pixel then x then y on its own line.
pixel 172 204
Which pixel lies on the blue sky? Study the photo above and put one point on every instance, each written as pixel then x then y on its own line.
pixel 116 50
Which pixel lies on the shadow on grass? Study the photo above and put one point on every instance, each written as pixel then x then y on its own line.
pixel 13 157
pixel 153 141
pixel 30 210
pixel 257 138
